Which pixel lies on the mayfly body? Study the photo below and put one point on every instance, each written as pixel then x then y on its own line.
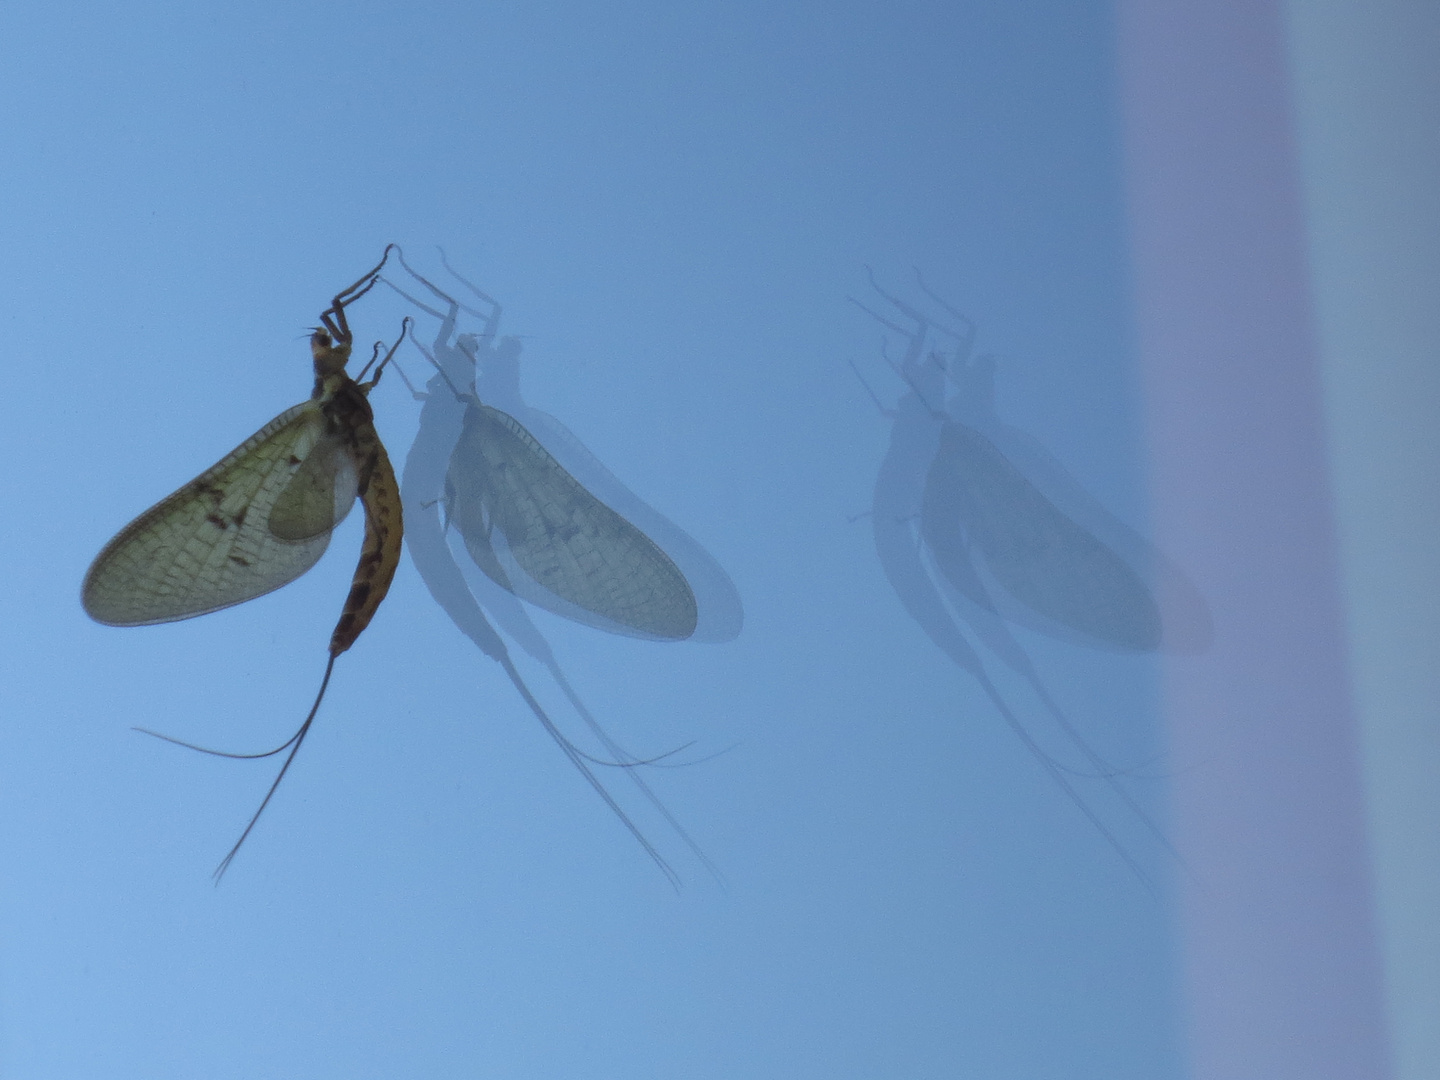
pixel 263 516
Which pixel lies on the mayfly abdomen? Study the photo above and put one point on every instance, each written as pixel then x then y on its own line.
pixel 380 494
pixel 380 551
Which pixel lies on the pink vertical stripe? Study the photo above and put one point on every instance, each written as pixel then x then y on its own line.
pixel 1283 980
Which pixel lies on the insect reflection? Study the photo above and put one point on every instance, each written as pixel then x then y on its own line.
pixel 263 515
pixel 965 536
pixel 534 528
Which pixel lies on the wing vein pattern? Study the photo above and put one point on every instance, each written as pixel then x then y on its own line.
pixel 526 519
pixel 976 499
pixel 209 545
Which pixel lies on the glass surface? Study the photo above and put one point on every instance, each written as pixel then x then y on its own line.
pixel 841 305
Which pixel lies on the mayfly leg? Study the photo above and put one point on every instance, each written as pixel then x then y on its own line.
pixel 492 321
pixel 910 368
pixel 966 336
pixel 333 317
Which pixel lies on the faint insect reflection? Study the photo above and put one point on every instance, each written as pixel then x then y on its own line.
pixel 263 516
pixel 520 492
pixel 965 535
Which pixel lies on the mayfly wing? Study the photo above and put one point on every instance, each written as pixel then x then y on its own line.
pixel 978 503
pixel 981 512
pixel 721 614
pixel 526 521
pixel 210 545
pixel 319 495
pixel 1149 603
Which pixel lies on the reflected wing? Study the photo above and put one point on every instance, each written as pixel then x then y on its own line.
pixel 527 522
pixel 210 545
pixel 978 505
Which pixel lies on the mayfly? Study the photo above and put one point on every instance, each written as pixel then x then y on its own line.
pixel 263 516
pixel 961 530
pixel 471 429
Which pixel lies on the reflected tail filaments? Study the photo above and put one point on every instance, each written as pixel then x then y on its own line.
pixel 263 515
pixel 966 536
pixel 489 475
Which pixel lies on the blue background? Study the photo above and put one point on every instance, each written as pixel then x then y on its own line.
pixel 672 203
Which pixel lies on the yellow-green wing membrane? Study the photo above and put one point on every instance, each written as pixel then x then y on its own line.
pixel 255 521
pixel 527 522
pixel 319 494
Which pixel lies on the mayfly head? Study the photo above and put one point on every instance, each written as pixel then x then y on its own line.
pixel 330 356
pixel 509 351
pixel 497 372
pixel 457 364
pixel 973 383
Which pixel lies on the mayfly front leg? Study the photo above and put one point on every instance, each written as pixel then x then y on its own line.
pixel 491 321
pixel 966 335
pixel 911 367
pixel 334 316
pixel 455 364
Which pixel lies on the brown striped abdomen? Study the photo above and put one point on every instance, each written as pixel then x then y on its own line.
pixel 380 554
